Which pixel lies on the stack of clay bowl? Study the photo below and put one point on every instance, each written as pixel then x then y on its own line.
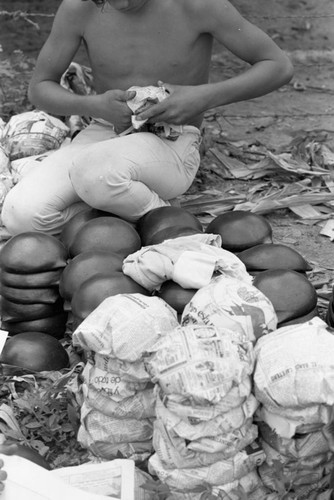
pixel 31 265
pixel 97 244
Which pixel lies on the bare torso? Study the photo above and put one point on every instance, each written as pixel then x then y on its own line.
pixel 141 42
pixel 157 42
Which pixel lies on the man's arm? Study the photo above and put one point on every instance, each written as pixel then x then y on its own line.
pixel 269 69
pixel 45 91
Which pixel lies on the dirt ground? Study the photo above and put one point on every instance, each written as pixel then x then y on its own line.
pixel 304 28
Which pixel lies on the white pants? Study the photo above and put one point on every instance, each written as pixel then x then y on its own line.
pixel 126 176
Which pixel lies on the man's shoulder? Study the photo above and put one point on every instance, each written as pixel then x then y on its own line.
pixel 78 5
pixel 200 8
pixel 75 12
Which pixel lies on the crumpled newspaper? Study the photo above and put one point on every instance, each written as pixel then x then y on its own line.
pixel 190 261
pixel 124 326
pixel 294 367
pixel 33 133
pixel 227 302
pixel 144 98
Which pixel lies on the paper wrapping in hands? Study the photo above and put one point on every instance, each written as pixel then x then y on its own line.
pixel 146 97
pixel 190 261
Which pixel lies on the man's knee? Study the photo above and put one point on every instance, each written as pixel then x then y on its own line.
pixel 95 176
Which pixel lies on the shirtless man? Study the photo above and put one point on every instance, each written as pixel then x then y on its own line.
pixel 135 43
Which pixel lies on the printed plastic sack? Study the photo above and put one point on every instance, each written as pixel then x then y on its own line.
pixel 294 366
pixel 124 326
pixel 200 362
pixel 232 304
pixel 33 133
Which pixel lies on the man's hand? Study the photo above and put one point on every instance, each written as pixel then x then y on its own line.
pixel 183 104
pixel 111 106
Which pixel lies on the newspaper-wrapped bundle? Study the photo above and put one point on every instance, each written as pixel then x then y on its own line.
pixel 118 404
pixel 200 362
pixel 230 473
pixel 131 372
pixel 124 326
pixel 176 451
pixel 185 408
pixel 302 445
pixel 33 133
pixel 295 366
pixel 189 261
pixel 106 436
pixel 306 470
pixel 194 429
pixel 232 304
pixel 137 451
pixel 288 421
pixel 114 396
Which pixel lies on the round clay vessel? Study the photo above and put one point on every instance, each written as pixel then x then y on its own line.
pixel 290 292
pixel 31 280
pixel 162 218
pixel 30 295
pixel 109 234
pixel 52 325
pixel 72 226
pixel 32 252
pixel 97 288
pixel 35 351
pixel 84 266
pixel 13 312
pixel 240 230
pixel 273 256
pixel 171 233
pixel 175 295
